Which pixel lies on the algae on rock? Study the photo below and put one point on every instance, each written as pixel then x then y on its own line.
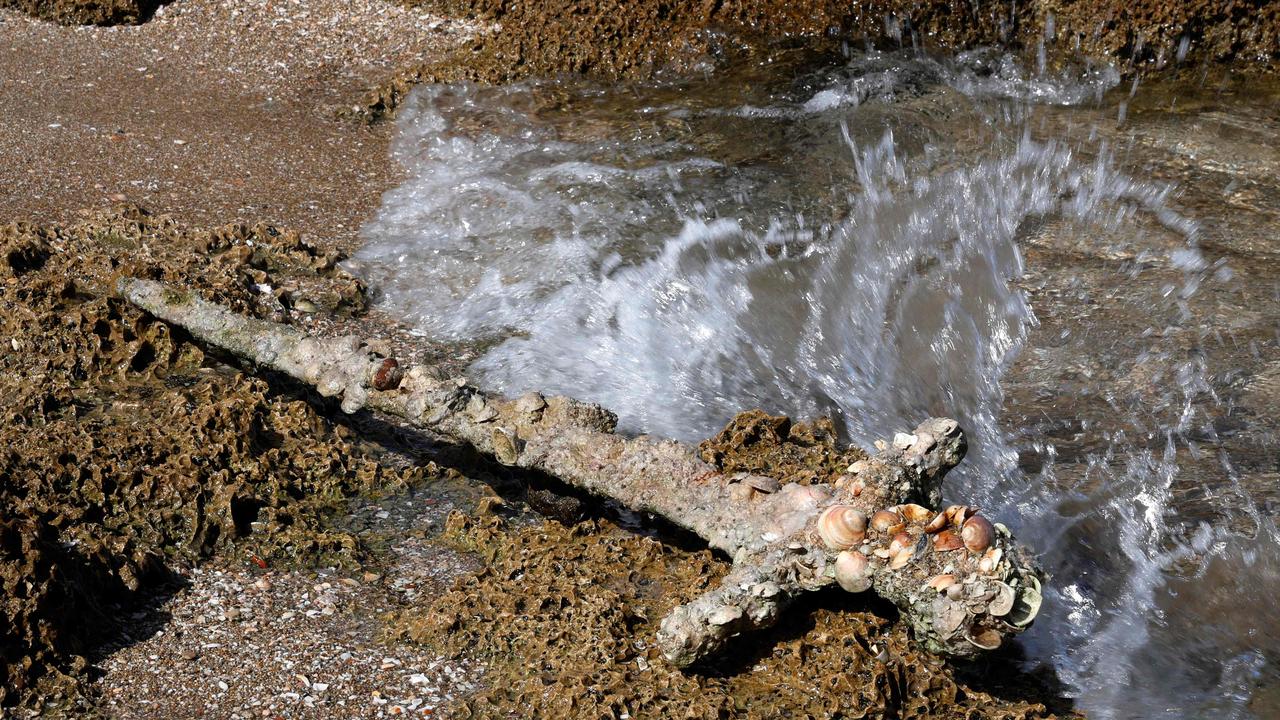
pixel 125 452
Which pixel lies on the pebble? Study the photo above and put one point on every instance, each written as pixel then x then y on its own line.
pixel 269 659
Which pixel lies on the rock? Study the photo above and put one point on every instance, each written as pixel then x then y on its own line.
pixel 87 12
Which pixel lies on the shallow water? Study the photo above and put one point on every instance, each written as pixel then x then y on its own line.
pixel 1084 273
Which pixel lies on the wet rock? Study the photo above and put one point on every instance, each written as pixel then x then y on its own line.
pixel 87 12
pixel 586 601
pixel 755 443
pixel 619 39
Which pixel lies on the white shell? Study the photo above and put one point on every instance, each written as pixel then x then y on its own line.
pixel 1002 603
pixel 853 572
pixel 1027 606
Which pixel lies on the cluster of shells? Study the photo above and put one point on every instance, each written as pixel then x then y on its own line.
pixel 971 588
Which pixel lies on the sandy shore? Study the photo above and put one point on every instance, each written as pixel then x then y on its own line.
pixel 213 111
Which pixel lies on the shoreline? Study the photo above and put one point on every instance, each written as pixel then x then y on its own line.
pixel 216 112
pixel 211 112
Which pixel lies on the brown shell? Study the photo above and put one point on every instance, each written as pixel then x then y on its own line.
pixel 942 582
pixel 914 513
pixel 842 526
pixel 954 515
pixel 886 521
pixel 938 523
pixel 986 639
pixel 946 541
pixel 388 375
pixel 902 557
pixel 978 534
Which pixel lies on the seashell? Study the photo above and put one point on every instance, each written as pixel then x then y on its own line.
pixel 914 513
pixel 946 541
pixel 881 445
pixel 955 592
pixel 987 639
pixel 857 486
pixel 388 375
pixel 900 550
pixel 977 534
pixel 842 526
pixel 948 617
pixel 942 582
pixel 953 515
pixel 531 403
pixel 1002 602
pixel 762 483
pixel 887 521
pixel 902 558
pixel 857 467
pixel 1027 606
pixel 990 560
pixel 881 553
pixel 938 523
pixel 853 572
pixel 506 446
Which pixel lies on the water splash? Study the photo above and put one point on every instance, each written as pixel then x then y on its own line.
pixel 852 242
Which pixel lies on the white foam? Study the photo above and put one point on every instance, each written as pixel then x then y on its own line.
pixel 679 265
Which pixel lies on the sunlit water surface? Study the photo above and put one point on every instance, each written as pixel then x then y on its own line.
pixel 889 237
